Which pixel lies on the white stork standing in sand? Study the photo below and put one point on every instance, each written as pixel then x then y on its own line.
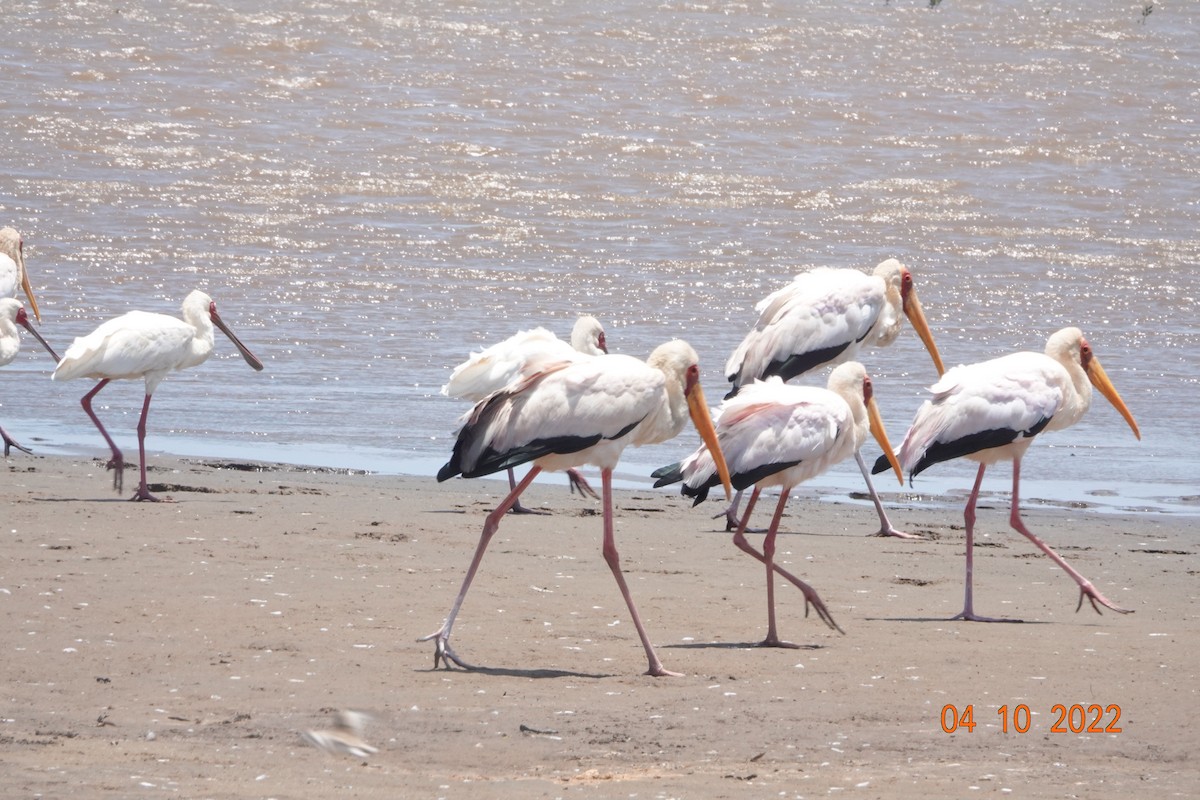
pixel 773 434
pixel 12 314
pixel 567 413
pixel 826 316
pixel 495 367
pixel 143 345
pixel 992 411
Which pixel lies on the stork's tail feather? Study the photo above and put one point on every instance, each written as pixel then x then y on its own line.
pixel 665 476
pixel 673 473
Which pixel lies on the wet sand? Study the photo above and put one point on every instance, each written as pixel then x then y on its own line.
pixel 180 649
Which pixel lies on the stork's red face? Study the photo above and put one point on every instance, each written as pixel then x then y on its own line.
pixel 602 343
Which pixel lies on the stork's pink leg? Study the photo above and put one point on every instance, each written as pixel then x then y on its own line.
pixel 578 482
pixel 442 652
pixel 10 442
pixel 117 462
pixel 731 517
pixel 886 528
pixel 614 563
pixel 517 507
pixel 1086 589
pixel 773 639
pixel 143 490
pixel 810 594
pixel 968 612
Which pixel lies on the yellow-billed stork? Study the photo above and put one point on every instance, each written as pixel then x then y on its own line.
pixel 495 367
pixel 567 413
pixel 773 434
pixel 827 316
pixel 992 411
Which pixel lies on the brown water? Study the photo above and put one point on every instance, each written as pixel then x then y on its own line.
pixel 372 189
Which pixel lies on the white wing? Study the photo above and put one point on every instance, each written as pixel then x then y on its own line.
pixel 981 404
pixel 129 346
pixel 821 317
pixel 497 366
pixel 584 411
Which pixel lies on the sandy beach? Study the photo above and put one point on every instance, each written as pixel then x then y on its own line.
pixel 181 649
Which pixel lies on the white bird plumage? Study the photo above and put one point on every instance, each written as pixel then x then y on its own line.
pixel 992 411
pixel 13 276
pixel 495 367
pixel 490 370
pixel 148 346
pixel 566 413
pixel 827 316
pixel 773 434
pixel 12 314
pixel 345 737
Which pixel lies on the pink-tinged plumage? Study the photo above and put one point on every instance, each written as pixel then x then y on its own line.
pixel 826 317
pixel 496 367
pixel 147 346
pixel 992 411
pixel 564 414
pixel 773 434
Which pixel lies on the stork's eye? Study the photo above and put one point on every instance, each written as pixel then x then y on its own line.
pixel 868 389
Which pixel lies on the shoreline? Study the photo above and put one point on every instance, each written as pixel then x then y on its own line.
pixel 183 647
pixel 946 490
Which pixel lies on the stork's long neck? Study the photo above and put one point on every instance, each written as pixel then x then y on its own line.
pixel 1077 393
pixel 667 420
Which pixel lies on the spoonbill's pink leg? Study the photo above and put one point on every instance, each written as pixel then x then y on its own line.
pixel 117 462
pixel 143 490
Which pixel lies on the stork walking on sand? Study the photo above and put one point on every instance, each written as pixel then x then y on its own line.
pixel 827 316
pixel 773 434
pixel 992 411
pixel 495 367
pixel 567 413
